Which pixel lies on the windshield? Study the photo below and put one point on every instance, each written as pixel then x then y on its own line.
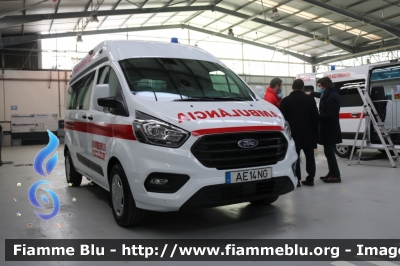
pixel 187 79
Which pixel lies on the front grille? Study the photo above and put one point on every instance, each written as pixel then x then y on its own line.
pixel 221 151
pixel 224 194
pixel 221 193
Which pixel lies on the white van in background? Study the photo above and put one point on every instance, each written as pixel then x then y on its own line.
pixel 310 83
pixel 166 127
pixel 383 83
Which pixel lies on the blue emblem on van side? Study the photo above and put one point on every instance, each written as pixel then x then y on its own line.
pixel 247 143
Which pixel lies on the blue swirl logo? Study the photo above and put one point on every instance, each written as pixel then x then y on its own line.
pixel 32 198
pixel 49 166
pixel 44 153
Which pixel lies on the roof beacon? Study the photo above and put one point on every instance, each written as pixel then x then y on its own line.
pixel 174 40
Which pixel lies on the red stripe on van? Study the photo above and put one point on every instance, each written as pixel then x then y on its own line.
pixel 349 116
pixel 102 129
pixel 209 131
pixel 124 132
pixel 68 127
pixel 80 126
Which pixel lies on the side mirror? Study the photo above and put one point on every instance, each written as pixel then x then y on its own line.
pixel 115 103
pixel 107 102
pixel 100 91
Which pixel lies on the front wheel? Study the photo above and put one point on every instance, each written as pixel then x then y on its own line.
pixel 123 205
pixel 344 151
pixel 73 177
pixel 263 202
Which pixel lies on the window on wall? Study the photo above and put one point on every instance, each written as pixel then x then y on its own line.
pixel 79 93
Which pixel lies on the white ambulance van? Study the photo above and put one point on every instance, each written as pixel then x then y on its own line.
pixel 310 83
pixel 167 127
pixel 383 83
pixel 309 79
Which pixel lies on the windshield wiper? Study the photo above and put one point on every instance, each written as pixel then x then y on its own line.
pixel 206 99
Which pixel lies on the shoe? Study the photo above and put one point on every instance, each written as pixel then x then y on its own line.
pixel 1 163
pixel 333 179
pixel 307 183
pixel 298 184
pixel 325 177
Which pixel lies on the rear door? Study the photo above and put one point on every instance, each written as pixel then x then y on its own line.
pixel 351 111
pixel 386 77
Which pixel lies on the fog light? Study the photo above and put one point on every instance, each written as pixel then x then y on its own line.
pixel 165 182
pixel 158 181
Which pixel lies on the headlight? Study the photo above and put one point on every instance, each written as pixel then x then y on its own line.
pixel 288 132
pixel 156 132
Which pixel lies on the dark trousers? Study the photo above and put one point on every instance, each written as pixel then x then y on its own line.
pixel 333 167
pixel 310 164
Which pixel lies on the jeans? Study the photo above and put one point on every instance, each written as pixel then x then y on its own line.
pixel 310 164
pixel 333 167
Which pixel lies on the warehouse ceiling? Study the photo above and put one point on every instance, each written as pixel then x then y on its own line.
pixel 312 30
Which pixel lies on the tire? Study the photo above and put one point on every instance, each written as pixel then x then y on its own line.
pixel 344 151
pixel 123 206
pixel 73 177
pixel 264 202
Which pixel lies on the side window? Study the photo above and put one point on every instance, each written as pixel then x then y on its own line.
pixel 103 75
pixel 108 76
pixel 71 97
pixel 79 93
pixel 85 91
pixel 349 97
pixel 308 88
pixel 113 82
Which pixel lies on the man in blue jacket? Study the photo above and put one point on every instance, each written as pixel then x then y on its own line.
pixel 330 133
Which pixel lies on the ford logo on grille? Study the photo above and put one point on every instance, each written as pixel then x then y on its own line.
pixel 247 143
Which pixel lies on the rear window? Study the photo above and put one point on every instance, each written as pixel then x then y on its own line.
pixel 184 77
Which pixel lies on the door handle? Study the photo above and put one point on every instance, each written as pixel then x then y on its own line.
pixel 355 114
pixel 90 117
pixel 84 116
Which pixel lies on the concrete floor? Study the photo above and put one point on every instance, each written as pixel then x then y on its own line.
pixel 364 205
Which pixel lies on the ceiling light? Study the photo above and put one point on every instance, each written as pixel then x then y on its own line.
pixel 230 33
pixel 275 14
pixel 79 38
pixel 94 18
pixel 327 40
pixel 284 52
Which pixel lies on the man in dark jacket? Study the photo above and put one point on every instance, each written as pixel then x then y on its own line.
pixel 330 133
pixel 301 112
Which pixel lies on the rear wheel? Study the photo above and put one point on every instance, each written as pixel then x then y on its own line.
pixel 73 177
pixel 264 202
pixel 344 151
pixel 123 205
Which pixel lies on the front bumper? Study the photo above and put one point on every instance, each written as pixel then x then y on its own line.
pixel 225 194
pixel 148 159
